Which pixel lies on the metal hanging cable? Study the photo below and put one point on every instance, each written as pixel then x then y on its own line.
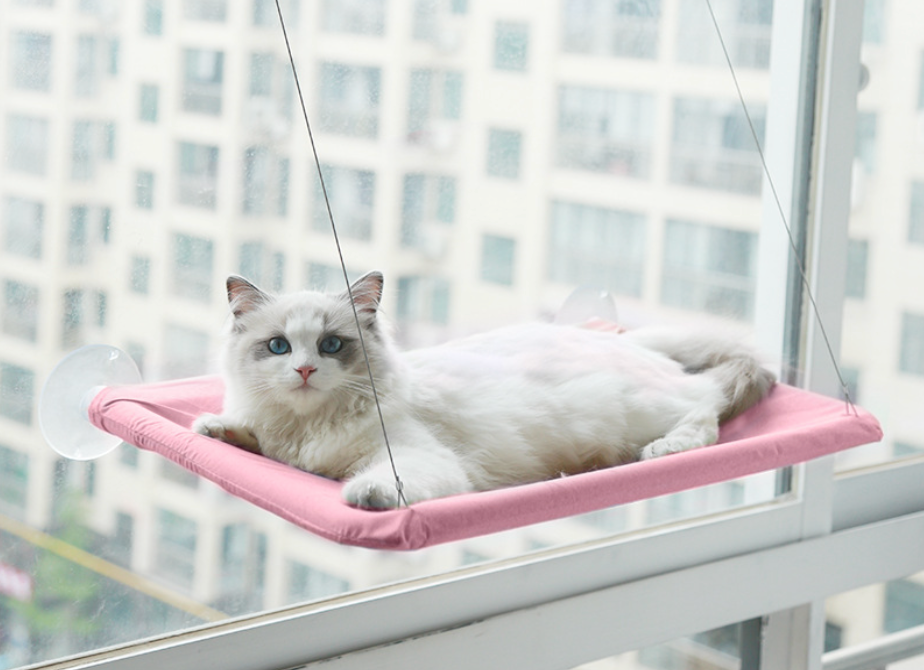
pixel 399 485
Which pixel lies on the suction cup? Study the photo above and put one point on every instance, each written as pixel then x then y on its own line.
pixel 587 302
pixel 68 392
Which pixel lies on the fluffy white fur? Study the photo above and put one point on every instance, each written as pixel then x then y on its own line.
pixel 511 406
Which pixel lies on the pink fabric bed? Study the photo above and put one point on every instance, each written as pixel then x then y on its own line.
pixel 790 426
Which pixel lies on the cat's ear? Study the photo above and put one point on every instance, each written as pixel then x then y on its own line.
pixel 244 296
pixel 367 293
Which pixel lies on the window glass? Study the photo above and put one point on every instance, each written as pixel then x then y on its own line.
pixel 626 29
pixel 30 61
pixel 504 148
pixel 361 17
pixel 485 181
pixel 511 46
pixel 865 614
pixel 883 331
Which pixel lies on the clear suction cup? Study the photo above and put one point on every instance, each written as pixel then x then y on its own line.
pixel 587 302
pixel 68 392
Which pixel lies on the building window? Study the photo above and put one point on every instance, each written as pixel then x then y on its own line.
pixel 262 266
pixel 153 18
pixel 87 63
pixel 911 357
pixel 26 144
pixel 205 10
pixel 504 148
pixel 203 72
pixel 30 61
pixel 24 223
pixel 352 198
pixel 266 182
pixel 349 100
pixel 713 146
pixel 78 236
pixel 144 189
pixel 497 259
pixel 93 143
pixel 101 310
pixel 599 247
pixel 198 175
pixel 14 480
pixel 873 21
pixel 262 66
pixel 271 95
pixel 904 605
pixel 243 565
pixel 434 105
pixel 140 278
pixel 857 260
pixel 624 29
pixel 431 21
pixel 175 556
pixel 177 474
pixel 17 385
pixel 605 130
pixel 265 15
pixel 128 455
pixel 423 300
pixel 428 206
pixel 310 583
pixel 866 140
pixel 916 213
pixel 20 313
pixel 72 324
pixel 709 268
pixel 328 278
pixel 746 25
pixel 360 17
pixel 921 84
pixel 148 100
pixel 193 258
pixel 511 46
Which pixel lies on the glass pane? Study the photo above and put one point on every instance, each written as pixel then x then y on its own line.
pixel 865 614
pixel 882 349
pixel 717 649
pixel 487 164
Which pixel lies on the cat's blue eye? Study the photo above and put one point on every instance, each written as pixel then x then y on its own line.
pixel 278 346
pixel 330 345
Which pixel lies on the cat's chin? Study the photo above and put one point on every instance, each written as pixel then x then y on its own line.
pixel 305 398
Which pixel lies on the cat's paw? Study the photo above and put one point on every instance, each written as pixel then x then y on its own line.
pixel 672 445
pixel 233 433
pixel 371 492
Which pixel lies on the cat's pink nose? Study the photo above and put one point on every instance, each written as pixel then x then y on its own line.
pixel 305 371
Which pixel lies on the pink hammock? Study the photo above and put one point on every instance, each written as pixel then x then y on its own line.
pixel 789 426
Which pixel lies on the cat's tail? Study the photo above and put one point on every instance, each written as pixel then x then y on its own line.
pixel 732 363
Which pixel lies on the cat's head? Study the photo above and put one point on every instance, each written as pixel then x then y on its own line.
pixel 302 350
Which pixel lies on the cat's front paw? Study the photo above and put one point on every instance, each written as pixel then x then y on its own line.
pixel 222 429
pixel 371 493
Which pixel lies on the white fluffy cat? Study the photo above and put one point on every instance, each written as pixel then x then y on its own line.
pixel 510 406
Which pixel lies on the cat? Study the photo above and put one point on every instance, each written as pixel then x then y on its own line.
pixel 509 406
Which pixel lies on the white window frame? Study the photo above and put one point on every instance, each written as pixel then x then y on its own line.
pixel 775 562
